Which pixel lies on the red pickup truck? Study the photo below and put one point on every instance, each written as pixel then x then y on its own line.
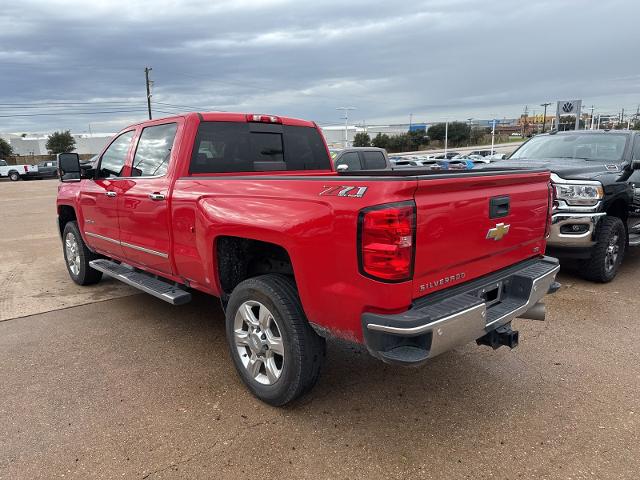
pixel 246 207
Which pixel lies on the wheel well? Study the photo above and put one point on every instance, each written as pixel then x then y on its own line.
pixel 242 258
pixel 618 209
pixel 66 214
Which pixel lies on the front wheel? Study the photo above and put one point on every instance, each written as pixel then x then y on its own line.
pixel 608 252
pixel 14 176
pixel 77 256
pixel 276 352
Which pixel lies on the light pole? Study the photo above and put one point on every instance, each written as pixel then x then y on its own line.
pixel 346 123
pixel 544 119
pixel 493 134
pixel 446 137
pixel 470 120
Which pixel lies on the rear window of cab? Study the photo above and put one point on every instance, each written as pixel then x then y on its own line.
pixel 222 147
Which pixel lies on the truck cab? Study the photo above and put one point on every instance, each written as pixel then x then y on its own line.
pixel 595 175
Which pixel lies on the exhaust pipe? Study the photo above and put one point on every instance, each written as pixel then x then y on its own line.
pixel 537 312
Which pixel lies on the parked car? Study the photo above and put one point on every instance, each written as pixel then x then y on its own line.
pixel 16 172
pixel 447 156
pixel 250 209
pixel 597 208
pixel 360 158
pixel 482 153
pixel 48 169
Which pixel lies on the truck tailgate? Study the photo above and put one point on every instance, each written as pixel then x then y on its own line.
pixel 470 226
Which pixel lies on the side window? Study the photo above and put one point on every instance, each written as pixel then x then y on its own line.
pixel 115 155
pixel 374 160
pixel 351 159
pixel 154 150
pixel 636 148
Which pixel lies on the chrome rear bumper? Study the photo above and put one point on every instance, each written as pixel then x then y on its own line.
pixel 447 319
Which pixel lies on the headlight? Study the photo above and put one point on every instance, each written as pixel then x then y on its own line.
pixel 575 194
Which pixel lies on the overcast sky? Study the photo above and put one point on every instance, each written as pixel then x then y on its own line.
pixel 433 58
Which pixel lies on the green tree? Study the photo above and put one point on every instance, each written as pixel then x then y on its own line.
pixel 397 143
pixel 416 139
pixel 458 134
pixel 362 139
pixel 381 140
pixel 61 142
pixel 6 150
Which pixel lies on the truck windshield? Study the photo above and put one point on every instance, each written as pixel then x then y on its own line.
pixel 247 147
pixel 599 147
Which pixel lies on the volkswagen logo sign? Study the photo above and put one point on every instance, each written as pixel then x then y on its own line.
pixel 567 107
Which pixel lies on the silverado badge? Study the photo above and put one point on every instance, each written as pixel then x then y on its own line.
pixel 499 231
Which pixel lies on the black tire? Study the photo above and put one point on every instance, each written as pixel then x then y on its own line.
pixel 85 274
pixel 14 176
pixel 607 255
pixel 304 349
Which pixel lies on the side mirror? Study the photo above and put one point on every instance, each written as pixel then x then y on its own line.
pixel 68 166
pixel 635 164
pixel 343 167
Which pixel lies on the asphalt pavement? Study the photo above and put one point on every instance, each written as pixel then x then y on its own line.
pixel 104 382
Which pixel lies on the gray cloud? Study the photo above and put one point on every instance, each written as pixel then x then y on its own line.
pixel 432 58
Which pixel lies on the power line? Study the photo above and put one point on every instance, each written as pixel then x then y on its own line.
pixel 68 113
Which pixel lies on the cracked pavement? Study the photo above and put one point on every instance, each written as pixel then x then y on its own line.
pixel 108 383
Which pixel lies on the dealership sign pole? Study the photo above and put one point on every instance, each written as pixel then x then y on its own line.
pixel 568 107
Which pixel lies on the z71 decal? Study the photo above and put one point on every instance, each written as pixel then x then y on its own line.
pixel 344 191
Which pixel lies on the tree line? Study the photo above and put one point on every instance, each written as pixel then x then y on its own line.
pixel 459 133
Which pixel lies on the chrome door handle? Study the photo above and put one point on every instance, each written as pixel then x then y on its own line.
pixel 110 194
pixel 156 196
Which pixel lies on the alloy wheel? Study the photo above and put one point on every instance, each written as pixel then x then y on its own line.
pixel 258 340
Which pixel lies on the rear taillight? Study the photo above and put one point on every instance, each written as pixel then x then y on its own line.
pixel 551 202
pixel 387 238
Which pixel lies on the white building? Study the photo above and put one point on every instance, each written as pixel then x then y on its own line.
pixel 35 144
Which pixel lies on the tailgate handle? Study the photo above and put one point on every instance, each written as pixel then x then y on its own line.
pixel 499 207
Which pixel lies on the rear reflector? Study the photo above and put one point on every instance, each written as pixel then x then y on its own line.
pixel 387 234
pixel 251 117
pixel 551 205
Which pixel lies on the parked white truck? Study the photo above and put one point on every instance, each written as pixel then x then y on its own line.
pixel 16 172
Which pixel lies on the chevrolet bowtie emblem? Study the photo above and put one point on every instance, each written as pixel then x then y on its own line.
pixel 499 231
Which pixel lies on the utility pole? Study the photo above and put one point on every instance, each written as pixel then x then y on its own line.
pixel 544 119
pixel 146 75
pixel 592 122
pixel 346 123
pixel 470 120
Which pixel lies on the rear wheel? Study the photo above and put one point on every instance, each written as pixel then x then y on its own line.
pixel 276 352
pixel 77 256
pixel 14 176
pixel 608 252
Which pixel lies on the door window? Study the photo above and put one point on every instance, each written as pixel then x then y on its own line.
pixel 351 160
pixel 114 157
pixel 154 151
